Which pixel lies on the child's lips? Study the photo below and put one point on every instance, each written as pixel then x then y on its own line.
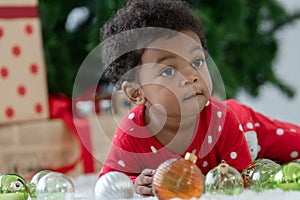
pixel 194 95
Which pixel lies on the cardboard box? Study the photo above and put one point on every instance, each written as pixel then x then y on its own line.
pixel 23 84
pixel 29 147
pixel 103 129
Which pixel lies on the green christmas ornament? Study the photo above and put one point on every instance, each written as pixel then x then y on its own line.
pixel 13 187
pixel 224 179
pixel 258 174
pixel 287 177
pixel 34 181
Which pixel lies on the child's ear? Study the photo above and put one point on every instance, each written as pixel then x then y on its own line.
pixel 133 92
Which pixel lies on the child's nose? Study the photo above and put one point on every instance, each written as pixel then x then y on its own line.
pixel 190 76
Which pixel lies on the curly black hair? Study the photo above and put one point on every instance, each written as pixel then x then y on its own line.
pixel 174 15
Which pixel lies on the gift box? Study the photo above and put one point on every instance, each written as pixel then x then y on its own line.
pixel 23 84
pixel 28 147
pixel 44 144
pixel 103 128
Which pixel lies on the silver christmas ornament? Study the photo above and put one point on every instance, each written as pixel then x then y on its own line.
pixel 34 181
pixel 55 186
pixel 114 185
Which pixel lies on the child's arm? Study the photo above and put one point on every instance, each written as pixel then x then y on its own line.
pixel 142 181
pixel 273 139
pixel 118 159
pixel 232 145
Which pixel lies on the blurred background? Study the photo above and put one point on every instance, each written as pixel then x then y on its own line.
pixel 254 44
pixel 286 66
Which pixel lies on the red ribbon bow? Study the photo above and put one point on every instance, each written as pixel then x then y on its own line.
pixel 61 107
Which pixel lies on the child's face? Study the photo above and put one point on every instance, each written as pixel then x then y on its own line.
pixel 174 74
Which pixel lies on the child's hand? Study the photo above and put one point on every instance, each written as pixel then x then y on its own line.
pixel 143 183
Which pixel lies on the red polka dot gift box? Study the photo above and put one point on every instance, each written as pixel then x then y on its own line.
pixel 23 84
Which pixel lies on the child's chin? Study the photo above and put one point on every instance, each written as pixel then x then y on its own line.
pixel 193 108
pixel 191 111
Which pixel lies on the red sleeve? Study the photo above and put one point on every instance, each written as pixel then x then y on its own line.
pixel 275 140
pixel 118 159
pixel 232 146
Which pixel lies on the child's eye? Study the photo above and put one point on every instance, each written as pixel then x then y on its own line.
pixel 168 72
pixel 197 63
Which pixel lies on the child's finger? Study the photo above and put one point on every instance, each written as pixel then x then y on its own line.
pixel 148 172
pixel 143 190
pixel 145 180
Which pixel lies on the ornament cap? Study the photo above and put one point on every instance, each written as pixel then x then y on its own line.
pixel 191 157
pixel 223 167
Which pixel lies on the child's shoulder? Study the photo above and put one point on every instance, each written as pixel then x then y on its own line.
pixel 229 104
pixel 216 105
pixel 133 120
pixel 229 108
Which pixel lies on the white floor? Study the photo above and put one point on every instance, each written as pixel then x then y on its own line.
pixel 85 185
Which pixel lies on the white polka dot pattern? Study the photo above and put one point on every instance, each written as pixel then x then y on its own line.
pixel 257 124
pixel 207 103
pixel 209 139
pixel 294 154
pixel 205 164
pixel 219 114
pixel 293 130
pixel 131 116
pixel 153 149
pixel 241 127
pixel 249 125
pixel 121 163
pixel 279 131
pixel 220 128
pixel 194 151
pixel 233 155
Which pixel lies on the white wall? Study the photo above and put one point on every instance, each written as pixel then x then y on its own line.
pixel 271 101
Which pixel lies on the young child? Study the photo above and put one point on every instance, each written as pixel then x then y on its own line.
pixel 164 72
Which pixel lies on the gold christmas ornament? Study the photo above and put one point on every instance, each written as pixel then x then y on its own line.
pixel 178 178
pixel 224 179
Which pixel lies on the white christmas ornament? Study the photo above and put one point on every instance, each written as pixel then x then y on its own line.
pixel 114 185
